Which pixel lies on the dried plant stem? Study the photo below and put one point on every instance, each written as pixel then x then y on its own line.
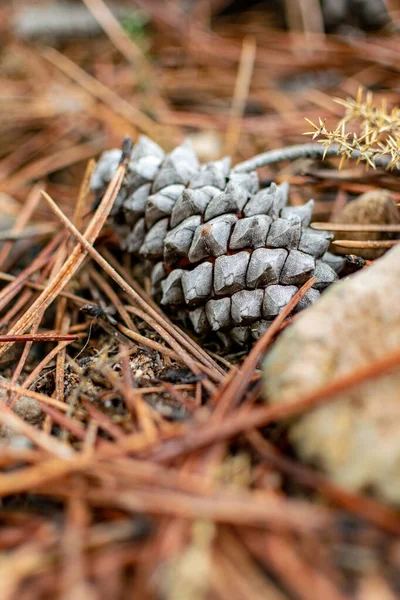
pixel 54 162
pixel 110 24
pixel 75 259
pixel 303 151
pixel 41 229
pixel 84 191
pixel 102 92
pixel 39 367
pixel 41 286
pixel 113 296
pixel 174 338
pixel 356 227
pixel 382 244
pixel 128 48
pixel 21 391
pixel 242 421
pixel 239 509
pixel 368 507
pixel 216 376
pixel 190 344
pixel 17 283
pixel 40 439
pixel 148 343
pixel 38 337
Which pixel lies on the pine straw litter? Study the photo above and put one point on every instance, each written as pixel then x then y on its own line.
pixel 154 469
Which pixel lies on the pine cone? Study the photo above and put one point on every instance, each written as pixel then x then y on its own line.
pixel 229 254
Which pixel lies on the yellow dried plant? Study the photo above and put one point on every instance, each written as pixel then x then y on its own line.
pixel 374 132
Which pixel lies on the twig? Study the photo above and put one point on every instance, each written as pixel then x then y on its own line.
pixel 368 227
pixel 381 244
pixel 303 151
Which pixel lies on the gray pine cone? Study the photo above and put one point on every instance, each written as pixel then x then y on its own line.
pixel 230 254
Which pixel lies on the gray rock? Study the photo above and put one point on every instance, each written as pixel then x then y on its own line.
pixel 355 436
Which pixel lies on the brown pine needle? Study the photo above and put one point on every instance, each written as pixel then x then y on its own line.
pixel 175 339
pixel 22 391
pixel 356 227
pixel 381 244
pixel 100 91
pixel 71 265
pixel 39 337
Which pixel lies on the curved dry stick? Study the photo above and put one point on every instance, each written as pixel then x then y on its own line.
pixel 304 151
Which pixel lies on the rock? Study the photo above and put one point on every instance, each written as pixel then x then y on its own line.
pixel 355 437
pixel 374 207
